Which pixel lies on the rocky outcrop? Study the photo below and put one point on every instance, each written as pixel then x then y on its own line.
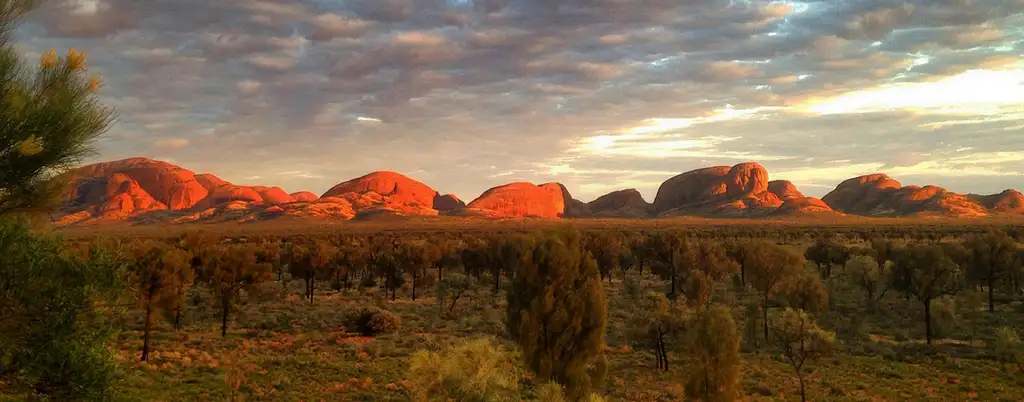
pixel 174 187
pixel 720 190
pixel 520 200
pixel 304 196
pixel 802 205
pixel 620 204
pixel 880 195
pixel 393 187
pixel 785 190
pixel 1008 201
pixel 448 202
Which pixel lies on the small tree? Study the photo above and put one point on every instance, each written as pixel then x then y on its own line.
pixel 806 292
pixel 926 273
pixel 658 326
pixel 713 349
pixel 557 313
pixel 1008 348
pixel 992 258
pixel 800 340
pixel 871 278
pixel 827 253
pixel 228 270
pixel 451 288
pixel 311 263
pixel 158 268
pixel 771 268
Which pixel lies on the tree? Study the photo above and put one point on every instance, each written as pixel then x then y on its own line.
pixel 926 273
pixel 451 288
pixel 507 255
pixel 800 340
pixel 771 267
pixel 158 268
pixel 230 269
pixel 708 264
pixel 414 259
pixel 50 115
pixel 806 292
pixel 713 349
pixel 557 312
pixel 658 325
pixel 1008 348
pixel 606 248
pixel 347 259
pixel 992 258
pixel 826 253
pixel 869 277
pixel 54 310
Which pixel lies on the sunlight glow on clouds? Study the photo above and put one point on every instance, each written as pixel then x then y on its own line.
pixel 972 92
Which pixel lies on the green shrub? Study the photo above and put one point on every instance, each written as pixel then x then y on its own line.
pixel 371 321
pixel 475 370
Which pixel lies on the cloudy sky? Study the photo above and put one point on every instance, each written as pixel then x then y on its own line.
pixel 597 94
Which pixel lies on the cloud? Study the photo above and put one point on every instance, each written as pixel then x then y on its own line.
pixel 587 92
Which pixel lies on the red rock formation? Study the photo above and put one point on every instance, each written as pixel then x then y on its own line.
pixel 448 202
pixel 739 190
pixel 521 200
pixel 802 205
pixel 304 196
pixel 175 187
pixel 273 195
pixel 879 195
pixel 623 203
pixel 398 188
pixel 1008 201
pixel 785 190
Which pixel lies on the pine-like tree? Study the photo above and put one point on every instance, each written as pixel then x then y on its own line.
pixel 557 312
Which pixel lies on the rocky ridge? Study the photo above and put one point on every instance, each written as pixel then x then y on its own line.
pixel 143 191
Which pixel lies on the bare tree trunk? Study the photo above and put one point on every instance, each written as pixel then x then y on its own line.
pixel 145 331
pixel 225 305
pixel 764 311
pixel 928 320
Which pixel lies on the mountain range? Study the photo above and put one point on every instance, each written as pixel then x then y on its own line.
pixel 143 190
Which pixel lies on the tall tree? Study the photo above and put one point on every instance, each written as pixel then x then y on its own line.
pixel 925 272
pixel 557 312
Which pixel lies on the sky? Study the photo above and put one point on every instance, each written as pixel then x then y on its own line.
pixel 599 95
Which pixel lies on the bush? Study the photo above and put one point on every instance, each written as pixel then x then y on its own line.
pixel 475 370
pixel 55 317
pixel 371 321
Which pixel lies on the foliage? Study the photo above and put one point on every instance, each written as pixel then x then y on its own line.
pixel 712 348
pixel 50 116
pixel 557 313
pixel 870 277
pixel 1008 348
pixel 473 370
pixel 925 272
pixel 372 321
pixel 796 335
pixel 54 316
